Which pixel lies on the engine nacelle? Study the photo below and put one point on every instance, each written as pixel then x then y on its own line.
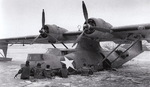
pixel 52 33
pixel 97 22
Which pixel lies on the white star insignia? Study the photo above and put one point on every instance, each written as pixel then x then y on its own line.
pixel 68 63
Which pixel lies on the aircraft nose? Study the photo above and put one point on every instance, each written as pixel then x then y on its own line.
pixel 41 31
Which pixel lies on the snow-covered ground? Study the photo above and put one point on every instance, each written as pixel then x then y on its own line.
pixel 135 73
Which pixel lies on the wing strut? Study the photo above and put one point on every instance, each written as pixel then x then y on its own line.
pixel 2 54
pixel 53 45
pixel 64 45
pixel 110 53
pixel 126 49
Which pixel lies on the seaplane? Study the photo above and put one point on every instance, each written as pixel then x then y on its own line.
pixel 87 44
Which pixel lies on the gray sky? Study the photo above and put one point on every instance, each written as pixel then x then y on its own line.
pixel 23 17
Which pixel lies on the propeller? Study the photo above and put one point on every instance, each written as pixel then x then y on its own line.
pixel 42 31
pixel 85 13
pixel 88 26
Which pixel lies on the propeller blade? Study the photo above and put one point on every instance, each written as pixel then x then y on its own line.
pixel 85 12
pixel 43 18
pixel 35 39
pixel 79 37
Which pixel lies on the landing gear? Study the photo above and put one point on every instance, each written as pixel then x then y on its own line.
pixel 126 50
pixel 106 64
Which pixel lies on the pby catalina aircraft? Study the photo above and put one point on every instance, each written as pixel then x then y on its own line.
pixel 88 49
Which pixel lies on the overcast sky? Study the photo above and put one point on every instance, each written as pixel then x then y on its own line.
pixel 23 17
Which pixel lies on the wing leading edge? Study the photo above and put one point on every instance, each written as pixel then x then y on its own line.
pixel 131 32
pixel 68 37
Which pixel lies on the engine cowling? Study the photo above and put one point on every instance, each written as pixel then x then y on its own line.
pixel 97 34
pixel 98 22
pixel 52 33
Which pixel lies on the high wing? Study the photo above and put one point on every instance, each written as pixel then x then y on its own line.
pixel 132 32
pixel 68 37
pixel 131 28
pixel 22 40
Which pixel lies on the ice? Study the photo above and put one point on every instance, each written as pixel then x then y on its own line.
pixel 135 73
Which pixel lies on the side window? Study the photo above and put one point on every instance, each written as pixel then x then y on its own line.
pixel 28 58
pixel 64 52
pixel 35 57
